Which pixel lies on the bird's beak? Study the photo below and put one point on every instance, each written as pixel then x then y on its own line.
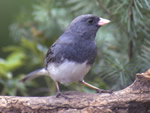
pixel 103 21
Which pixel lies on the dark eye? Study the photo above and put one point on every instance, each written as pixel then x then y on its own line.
pixel 90 21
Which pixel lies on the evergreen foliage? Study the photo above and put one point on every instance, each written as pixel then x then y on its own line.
pixel 123 45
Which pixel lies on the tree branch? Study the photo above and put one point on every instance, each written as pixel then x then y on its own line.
pixel 133 99
pixel 130 46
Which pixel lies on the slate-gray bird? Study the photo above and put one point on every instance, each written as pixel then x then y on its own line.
pixel 71 57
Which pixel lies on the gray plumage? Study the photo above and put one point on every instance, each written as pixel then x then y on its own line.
pixel 35 74
pixel 77 43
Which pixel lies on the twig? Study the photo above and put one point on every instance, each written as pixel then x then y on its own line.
pixel 103 7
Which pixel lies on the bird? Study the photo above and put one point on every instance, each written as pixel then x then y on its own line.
pixel 71 56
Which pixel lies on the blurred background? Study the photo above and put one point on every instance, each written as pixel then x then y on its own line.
pixel 28 28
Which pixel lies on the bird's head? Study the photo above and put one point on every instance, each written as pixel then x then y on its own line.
pixel 87 25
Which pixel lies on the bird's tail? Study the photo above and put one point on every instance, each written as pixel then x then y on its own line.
pixel 35 74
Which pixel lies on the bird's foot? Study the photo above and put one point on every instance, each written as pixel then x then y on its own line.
pixel 58 94
pixel 104 91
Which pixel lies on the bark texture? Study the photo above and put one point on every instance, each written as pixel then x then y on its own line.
pixel 133 99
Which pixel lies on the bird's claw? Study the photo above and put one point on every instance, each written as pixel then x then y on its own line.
pixel 58 94
pixel 104 91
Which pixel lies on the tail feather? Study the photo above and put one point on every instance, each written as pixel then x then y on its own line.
pixel 35 74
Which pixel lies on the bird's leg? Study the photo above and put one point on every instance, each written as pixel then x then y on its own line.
pixel 59 93
pixel 98 90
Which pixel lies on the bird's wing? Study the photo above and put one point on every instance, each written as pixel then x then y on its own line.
pixel 56 51
pixel 50 56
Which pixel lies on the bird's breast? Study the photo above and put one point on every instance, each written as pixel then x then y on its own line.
pixel 68 71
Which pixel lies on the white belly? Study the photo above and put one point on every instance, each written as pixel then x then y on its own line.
pixel 68 71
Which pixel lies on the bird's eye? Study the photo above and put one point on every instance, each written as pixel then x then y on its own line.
pixel 90 21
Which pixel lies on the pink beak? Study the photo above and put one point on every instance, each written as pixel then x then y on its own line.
pixel 103 21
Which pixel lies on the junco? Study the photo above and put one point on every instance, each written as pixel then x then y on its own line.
pixel 72 55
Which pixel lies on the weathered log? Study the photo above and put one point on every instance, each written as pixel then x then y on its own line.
pixel 133 99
